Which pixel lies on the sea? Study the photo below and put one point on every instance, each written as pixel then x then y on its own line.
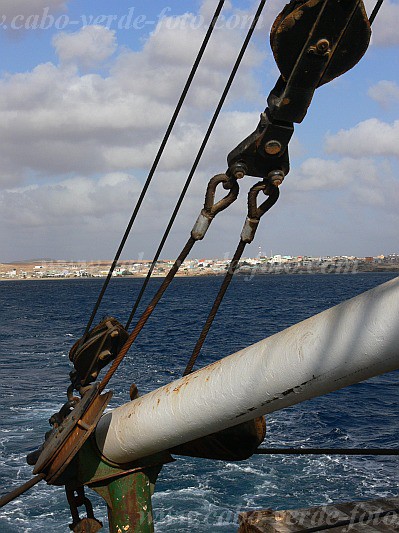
pixel 42 319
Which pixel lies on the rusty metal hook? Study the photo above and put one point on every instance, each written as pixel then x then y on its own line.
pixel 212 208
pixel 255 212
pixel 273 193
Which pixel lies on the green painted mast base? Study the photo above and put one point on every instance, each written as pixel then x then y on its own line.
pixel 128 500
pixel 127 489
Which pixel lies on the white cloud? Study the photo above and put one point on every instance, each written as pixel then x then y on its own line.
pixel 371 137
pixel 58 122
pixel 351 184
pixel 87 48
pixel 326 174
pixel 385 92
pixel 63 203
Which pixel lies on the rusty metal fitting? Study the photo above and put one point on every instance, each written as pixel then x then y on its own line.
pixel 321 48
pixel 276 178
pixel 255 212
pixel 249 229
pixel 211 209
pixel 238 170
pixel 201 226
pixel 273 147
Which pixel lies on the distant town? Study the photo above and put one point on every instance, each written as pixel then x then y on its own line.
pixel 276 264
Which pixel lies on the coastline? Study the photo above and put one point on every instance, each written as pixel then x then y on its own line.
pixel 244 272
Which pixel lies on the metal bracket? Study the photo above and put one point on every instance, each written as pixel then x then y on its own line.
pixel 64 442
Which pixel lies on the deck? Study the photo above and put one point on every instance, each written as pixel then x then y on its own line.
pixel 366 516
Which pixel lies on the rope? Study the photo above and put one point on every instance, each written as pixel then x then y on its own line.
pixel 198 157
pixel 20 490
pixel 155 164
pixel 375 11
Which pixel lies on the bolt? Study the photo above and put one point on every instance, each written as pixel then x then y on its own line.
pixel 273 147
pixel 322 46
pixel 276 177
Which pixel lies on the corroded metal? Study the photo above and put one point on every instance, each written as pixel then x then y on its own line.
pixel 212 208
pixel 313 42
pixel 338 32
pixel 126 488
pixel 95 351
pixel 128 500
pixel 76 498
pixel 65 441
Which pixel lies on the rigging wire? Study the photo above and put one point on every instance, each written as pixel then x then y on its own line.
pixel 145 316
pixel 375 11
pixel 234 264
pixel 222 291
pixel 198 158
pixel 211 209
pixel 7 498
pixel 155 164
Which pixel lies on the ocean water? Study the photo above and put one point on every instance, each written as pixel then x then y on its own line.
pixel 41 320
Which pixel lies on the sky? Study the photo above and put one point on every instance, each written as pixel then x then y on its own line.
pixel 86 93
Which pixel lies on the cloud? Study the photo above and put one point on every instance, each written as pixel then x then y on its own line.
pixel 16 17
pixel 87 48
pixel 371 137
pixel 67 201
pixel 358 183
pixel 328 175
pixel 386 93
pixel 56 121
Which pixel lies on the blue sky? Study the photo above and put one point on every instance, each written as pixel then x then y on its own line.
pixel 85 102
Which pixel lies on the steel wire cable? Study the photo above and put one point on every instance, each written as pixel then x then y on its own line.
pixel 211 208
pixel 155 163
pixel 375 11
pixel 198 158
pixel 326 451
pixel 222 291
pixel 7 498
pixel 234 264
pixel 145 316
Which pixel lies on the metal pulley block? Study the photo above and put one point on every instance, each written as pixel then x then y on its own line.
pixel 314 42
pixel 92 353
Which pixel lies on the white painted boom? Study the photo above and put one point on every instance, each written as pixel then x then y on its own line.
pixel 346 344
